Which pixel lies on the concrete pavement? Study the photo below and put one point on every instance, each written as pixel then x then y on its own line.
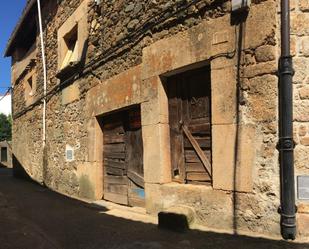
pixel 34 217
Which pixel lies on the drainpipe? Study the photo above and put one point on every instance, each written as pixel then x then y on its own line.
pixel 44 74
pixel 44 91
pixel 286 144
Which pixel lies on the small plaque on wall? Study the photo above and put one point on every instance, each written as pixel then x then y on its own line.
pixel 303 187
pixel 69 153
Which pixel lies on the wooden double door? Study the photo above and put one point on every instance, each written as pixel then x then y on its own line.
pixel 123 158
pixel 190 126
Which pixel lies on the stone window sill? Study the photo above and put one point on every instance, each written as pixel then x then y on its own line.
pixel 69 70
pixel 188 186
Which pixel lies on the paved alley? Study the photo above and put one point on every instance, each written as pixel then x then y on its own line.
pixel 33 217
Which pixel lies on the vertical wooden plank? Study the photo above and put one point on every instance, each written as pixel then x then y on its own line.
pixel 134 152
pixel 175 115
pixel 114 152
pixel 182 117
pixel 197 129
pixel 136 195
pixel 134 158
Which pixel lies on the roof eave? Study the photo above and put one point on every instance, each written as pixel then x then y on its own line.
pixel 17 28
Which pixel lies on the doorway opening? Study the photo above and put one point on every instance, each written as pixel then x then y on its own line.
pixel 4 154
pixel 123 157
pixel 189 100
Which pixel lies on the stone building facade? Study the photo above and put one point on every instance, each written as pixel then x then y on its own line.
pixel 161 104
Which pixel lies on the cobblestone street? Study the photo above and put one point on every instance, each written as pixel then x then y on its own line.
pixel 35 217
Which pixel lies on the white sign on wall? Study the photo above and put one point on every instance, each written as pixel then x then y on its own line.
pixel 303 187
pixel 69 153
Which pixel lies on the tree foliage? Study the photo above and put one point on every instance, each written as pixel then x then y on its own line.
pixel 5 127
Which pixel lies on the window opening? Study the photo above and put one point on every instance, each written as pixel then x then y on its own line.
pixel 71 54
pixel 30 85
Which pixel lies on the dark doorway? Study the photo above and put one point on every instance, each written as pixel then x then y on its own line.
pixel 123 157
pixel 189 96
pixel 4 154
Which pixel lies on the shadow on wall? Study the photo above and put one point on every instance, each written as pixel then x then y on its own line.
pixel 19 171
pixel 2 165
pixel 72 224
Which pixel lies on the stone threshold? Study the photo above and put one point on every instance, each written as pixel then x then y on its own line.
pixel 126 212
pixel 105 207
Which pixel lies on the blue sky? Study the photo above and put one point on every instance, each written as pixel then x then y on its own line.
pixel 10 12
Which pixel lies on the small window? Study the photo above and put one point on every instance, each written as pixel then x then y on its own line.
pixel 72 39
pixel 71 47
pixel 4 154
pixel 30 85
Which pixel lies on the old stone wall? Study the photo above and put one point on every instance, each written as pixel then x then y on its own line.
pixel 27 126
pixel 27 145
pixel 129 49
pixel 299 43
pixel 68 122
pixel 254 207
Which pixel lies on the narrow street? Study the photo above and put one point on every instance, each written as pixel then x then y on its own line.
pixel 35 217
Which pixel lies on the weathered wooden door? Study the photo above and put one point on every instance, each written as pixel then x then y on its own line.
pixel 123 158
pixel 190 130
